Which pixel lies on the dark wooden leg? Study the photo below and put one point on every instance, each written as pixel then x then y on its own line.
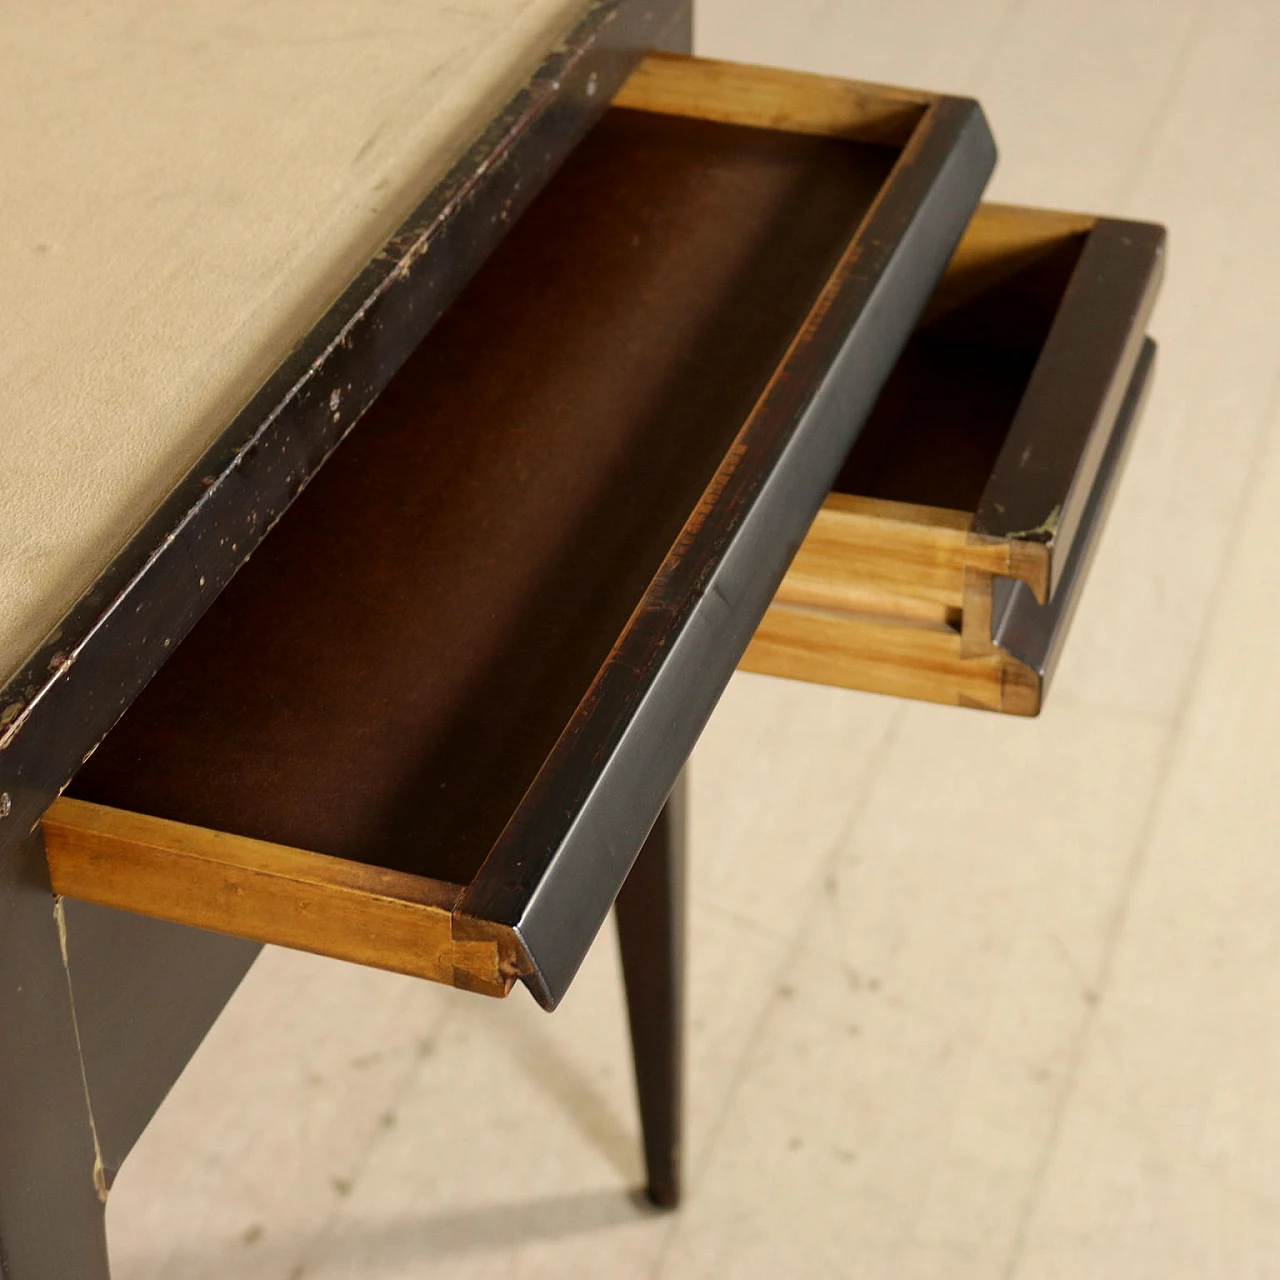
pixel 51 1184
pixel 650 914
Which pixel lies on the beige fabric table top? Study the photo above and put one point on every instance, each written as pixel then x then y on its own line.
pixel 186 188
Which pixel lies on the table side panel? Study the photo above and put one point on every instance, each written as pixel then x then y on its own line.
pixel 1045 472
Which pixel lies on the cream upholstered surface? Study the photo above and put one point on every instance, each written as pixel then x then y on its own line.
pixel 186 187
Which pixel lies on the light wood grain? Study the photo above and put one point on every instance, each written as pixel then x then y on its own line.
pixel 878 655
pixel 271 893
pixel 895 558
pixel 894 597
pixel 873 655
pixel 1000 241
pixel 766 98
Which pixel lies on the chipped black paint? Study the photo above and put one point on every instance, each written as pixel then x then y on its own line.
pixel 1042 480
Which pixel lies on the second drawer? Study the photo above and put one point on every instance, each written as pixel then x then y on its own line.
pixel 948 558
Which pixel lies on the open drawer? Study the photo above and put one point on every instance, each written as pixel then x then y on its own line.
pixel 429 724
pixel 950 554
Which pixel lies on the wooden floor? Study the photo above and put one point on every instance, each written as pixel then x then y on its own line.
pixel 1020 1016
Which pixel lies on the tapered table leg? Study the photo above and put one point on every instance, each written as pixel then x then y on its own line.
pixel 650 915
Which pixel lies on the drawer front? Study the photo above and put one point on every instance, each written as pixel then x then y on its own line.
pixel 947 562
pixel 430 723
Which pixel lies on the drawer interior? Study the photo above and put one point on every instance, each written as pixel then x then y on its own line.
pixel 939 425
pixel 892 590
pixel 361 713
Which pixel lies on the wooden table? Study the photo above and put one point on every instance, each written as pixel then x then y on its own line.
pixel 320 249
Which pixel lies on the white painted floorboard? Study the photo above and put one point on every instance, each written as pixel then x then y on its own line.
pixel 1019 1013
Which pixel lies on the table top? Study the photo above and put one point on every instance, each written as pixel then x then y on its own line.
pixel 197 183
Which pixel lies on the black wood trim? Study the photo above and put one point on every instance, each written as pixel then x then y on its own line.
pixel 62 703
pixel 1046 469
pixel 559 864
pixel 1035 633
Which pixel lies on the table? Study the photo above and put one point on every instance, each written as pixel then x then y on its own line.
pixel 821 214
